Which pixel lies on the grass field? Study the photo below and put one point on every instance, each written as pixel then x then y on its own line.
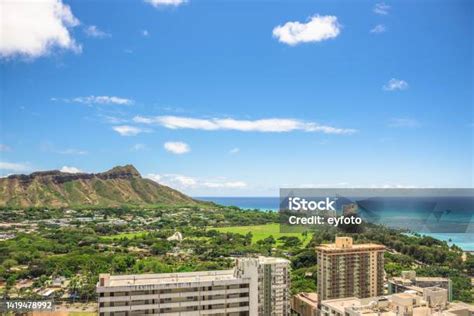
pixel 260 232
pixel 126 235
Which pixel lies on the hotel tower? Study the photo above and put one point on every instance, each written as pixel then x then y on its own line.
pixel 350 270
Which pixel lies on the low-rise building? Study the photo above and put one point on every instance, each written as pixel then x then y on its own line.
pixel 408 281
pixel 433 302
pixel 436 297
pixel 305 304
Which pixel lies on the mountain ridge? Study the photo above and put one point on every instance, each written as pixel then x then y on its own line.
pixel 119 186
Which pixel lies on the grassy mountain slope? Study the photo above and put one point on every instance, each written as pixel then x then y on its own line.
pixel 119 186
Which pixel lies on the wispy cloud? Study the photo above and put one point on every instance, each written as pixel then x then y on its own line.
pixel 67 169
pixel 103 99
pixel 145 33
pixel 13 166
pixel 378 29
pixel 177 148
pixel 395 84
pixel 94 31
pixel 317 28
pixel 35 30
pixel 138 147
pixel 403 122
pixel 127 130
pixel 113 119
pixel 275 125
pixel 381 8
pixel 72 151
pixel 50 147
pixel 183 182
pixel 234 151
pixel 4 148
pixel 164 3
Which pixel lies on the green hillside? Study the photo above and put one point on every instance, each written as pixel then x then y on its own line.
pixel 119 186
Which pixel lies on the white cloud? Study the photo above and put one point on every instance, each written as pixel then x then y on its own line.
pixel 178 148
pixel 49 147
pixel 318 28
pixel 182 182
pixel 234 151
pixel 67 169
pixel 145 33
pixel 138 147
pixel 12 166
pixel 403 122
pixel 395 84
pixel 162 3
pixel 381 8
pixel 99 100
pixel 379 28
pixel 113 119
pixel 127 130
pixel 173 180
pixel 94 31
pixel 4 148
pixel 71 151
pixel 229 184
pixel 274 125
pixel 34 29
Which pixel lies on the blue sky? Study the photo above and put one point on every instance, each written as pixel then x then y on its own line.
pixel 242 97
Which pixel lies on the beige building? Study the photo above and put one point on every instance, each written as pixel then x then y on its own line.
pixel 408 281
pixel 256 286
pixel 305 304
pixel 433 302
pixel 350 270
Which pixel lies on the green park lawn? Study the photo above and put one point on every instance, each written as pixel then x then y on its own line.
pixel 126 235
pixel 260 232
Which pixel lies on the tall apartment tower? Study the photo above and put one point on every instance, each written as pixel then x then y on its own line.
pixel 270 280
pixel 349 270
pixel 256 286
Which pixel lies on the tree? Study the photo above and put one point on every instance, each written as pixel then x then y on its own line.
pixel 161 247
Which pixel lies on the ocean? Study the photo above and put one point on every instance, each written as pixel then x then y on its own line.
pixel 464 240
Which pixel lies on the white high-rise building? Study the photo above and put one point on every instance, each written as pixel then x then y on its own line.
pixel 270 279
pixel 256 286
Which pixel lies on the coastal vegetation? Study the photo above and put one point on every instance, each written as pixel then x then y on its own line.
pixel 79 244
pixel 60 248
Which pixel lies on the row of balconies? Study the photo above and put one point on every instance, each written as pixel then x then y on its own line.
pixel 134 297
pixel 177 305
pixel 225 311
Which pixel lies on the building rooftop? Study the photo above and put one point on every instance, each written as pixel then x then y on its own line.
pixel 387 305
pixel 355 247
pixel 167 278
pixel 346 244
pixel 272 260
pixel 421 279
pixel 308 298
pixel 340 304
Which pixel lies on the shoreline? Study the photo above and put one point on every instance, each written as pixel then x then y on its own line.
pixel 264 204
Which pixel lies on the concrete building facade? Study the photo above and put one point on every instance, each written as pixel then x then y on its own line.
pixel 408 281
pixel 433 302
pixel 350 270
pixel 305 304
pixel 256 286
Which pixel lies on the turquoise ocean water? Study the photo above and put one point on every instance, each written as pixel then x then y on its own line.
pixel 462 240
